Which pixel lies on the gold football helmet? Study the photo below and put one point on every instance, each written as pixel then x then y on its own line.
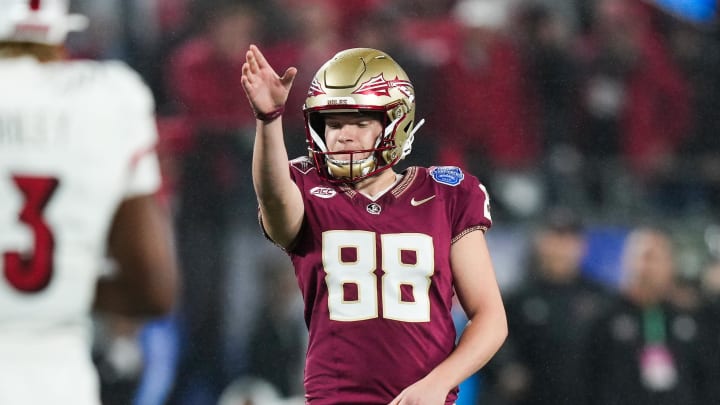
pixel 361 80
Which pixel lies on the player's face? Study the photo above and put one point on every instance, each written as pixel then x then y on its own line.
pixel 351 132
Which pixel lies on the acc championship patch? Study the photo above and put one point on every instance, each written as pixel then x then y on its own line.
pixel 450 175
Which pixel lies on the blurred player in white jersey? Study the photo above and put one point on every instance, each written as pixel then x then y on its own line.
pixel 78 174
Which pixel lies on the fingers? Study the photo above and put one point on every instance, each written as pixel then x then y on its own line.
pixel 288 77
pixel 247 79
pixel 246 85
pixel 256 62
pixel 252 62
pixel 261 61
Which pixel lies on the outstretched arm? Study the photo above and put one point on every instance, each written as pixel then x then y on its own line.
pixel 485 332
pixel 281 204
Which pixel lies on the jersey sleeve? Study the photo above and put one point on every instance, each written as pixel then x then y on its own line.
pixel 471 208
pixel 144 174
pixel 137 106
pixel 299 167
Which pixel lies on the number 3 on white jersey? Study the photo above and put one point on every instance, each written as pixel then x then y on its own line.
pixel 360 274
pixel 31 272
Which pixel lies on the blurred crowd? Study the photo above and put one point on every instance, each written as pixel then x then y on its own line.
pixel 604 107
pixel 650 338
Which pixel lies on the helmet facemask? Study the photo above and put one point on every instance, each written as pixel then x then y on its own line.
pixel 381 156
pixel 356 81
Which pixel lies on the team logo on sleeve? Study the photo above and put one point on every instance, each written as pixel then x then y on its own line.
pixel 450 175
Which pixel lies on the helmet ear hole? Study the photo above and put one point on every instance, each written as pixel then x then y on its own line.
pixel 409 125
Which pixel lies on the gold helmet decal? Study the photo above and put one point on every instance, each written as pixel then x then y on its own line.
pixel 361 80
pixel 378 86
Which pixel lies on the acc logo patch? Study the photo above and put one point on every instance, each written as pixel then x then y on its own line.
pixel 450 175
pixel 323 192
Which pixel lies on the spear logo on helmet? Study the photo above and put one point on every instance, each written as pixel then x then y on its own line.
pixel 315 88
pixel 378 86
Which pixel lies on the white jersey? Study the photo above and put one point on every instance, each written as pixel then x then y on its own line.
pixel 76 139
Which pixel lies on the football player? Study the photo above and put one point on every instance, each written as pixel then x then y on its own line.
pixel 378 254
pixel 78 174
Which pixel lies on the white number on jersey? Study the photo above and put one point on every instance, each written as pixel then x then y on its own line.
pixel 486 207
pixel 413 278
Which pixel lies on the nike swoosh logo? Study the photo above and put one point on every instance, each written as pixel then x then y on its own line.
pixel 415 202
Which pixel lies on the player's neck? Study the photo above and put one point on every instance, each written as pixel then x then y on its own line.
pixel 375 185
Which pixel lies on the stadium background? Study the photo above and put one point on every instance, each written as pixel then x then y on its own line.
pixel 606 107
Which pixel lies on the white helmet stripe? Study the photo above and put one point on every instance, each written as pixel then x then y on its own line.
pixel 390 128
pixel 407 146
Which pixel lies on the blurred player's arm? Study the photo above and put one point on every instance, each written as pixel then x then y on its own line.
pixel 145 282
pixel 485 332
pixel 281 204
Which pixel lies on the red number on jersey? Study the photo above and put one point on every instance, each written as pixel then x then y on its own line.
pixel 32 272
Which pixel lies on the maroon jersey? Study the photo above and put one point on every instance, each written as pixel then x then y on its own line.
pixel 376 280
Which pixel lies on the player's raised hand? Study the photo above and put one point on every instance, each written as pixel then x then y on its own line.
pixel 266 91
